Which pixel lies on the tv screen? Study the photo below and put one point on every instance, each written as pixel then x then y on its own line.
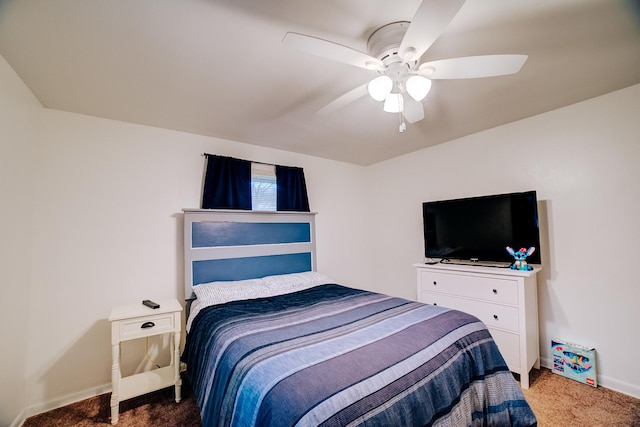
pixel 480 228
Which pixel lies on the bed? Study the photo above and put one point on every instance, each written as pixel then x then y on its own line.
pixel 272 342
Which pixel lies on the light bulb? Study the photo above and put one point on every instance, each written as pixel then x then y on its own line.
pixel 418 87
pixel 394 103
pixel 380 87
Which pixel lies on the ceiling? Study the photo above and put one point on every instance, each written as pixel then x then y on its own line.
pixel 218 67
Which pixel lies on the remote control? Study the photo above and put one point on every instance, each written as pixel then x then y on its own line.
pixel 151 304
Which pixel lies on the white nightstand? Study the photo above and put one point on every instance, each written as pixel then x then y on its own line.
pixel 138 321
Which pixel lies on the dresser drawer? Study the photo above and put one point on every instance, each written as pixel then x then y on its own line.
pixel 146 326
pixel 509 346
pixel 503 291
pixel 493 315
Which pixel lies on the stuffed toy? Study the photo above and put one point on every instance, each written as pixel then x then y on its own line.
pixel 520 256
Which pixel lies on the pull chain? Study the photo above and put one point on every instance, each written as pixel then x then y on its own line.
pixel 403 126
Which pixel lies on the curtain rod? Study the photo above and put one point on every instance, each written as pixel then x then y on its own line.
pixel 252 161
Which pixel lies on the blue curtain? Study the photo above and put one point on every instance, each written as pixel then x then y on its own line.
pixel 292 189
pixel 227 183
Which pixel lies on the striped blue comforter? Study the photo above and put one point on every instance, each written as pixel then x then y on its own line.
pixel 336 356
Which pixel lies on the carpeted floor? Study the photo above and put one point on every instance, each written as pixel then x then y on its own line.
pixel 154 409
pixel 559 401
pixel 556 401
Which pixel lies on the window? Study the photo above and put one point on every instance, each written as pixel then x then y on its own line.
pixel 263 187
pixel 231 183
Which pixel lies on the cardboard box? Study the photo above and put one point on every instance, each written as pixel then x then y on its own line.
pixel 574 361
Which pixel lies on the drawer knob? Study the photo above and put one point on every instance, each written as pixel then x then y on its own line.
pixel 146 325
pixel 495 291
pixel 435 283
pixel 495 316
pixel 435 303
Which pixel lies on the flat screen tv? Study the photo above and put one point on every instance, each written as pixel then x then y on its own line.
pixel 478 229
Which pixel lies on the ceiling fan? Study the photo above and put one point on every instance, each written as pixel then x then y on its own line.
pixel 394 52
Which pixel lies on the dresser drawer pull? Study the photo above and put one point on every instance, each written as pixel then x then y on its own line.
pixel 146 325
pixel 435 283
pixel 495 291
pixel 435 303
pixel 495 316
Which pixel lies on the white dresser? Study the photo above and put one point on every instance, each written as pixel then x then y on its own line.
pixel 505 300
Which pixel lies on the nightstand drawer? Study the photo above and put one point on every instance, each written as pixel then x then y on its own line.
pixel 146 326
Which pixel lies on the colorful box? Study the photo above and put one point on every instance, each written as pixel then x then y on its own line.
pixel 574 361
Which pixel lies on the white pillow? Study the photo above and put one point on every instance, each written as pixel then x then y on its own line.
pixel 214 293
pixel 286 283
pixel 194 309
pixel 221 292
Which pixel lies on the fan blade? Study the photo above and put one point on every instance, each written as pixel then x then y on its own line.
pixel 413 110
pixel 427 24
pixel 471 67
pixel 332 51
pixel 347 98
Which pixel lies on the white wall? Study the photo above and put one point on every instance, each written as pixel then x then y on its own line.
pixel 108 231
pixel 584 162
pixel 19 123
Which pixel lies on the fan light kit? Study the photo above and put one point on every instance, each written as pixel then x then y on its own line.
pixel 380 87
pixel 418 87
pixel 394 52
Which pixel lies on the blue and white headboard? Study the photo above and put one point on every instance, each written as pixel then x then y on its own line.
pixel 226 245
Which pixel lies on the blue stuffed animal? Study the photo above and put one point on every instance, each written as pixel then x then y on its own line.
pixel 520 256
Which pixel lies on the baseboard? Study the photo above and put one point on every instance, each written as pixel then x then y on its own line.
pixel 632 390
pixel 19 419
pixel 59 402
